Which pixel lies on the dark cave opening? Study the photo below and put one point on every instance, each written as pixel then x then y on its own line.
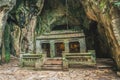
pixel 95 40
pixel 66 27
pixel 60 27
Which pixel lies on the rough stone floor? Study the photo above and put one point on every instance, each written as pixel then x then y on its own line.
pixel 12 71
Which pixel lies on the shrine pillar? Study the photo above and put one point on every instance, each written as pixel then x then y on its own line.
pixel 38 47
pixel 82 45
pixel 66 43
pixel 52 48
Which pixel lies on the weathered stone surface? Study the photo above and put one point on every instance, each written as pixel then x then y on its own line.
pixel 103 15
pixel 5 7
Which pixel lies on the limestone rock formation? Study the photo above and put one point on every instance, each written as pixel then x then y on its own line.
pixel 5 7
pixel 108 17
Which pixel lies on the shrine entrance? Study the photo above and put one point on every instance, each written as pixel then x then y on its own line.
pixel 59 48
pixel 46 49
pixel 74 47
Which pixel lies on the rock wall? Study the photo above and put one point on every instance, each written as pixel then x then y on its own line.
pixel 18 22
pixel 108 16
pixel 5 7
pixel 57 12
pixel 23 18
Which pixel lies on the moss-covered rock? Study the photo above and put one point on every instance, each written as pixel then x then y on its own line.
pixel 106 14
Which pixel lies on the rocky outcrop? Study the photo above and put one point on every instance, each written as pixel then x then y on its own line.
pixel 18 28
pixel 5 7
pixel 23 18
pixel 58 12
pixel 108 18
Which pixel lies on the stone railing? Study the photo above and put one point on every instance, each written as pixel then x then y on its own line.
pixel 87 58
pixel 32 60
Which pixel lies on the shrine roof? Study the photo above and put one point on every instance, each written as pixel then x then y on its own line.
pixel 61 35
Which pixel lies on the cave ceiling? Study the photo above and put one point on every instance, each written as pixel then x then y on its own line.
pixel 53 12
pixel 58 12
pixel 61 12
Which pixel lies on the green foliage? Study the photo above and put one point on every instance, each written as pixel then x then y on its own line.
pixel 102 4
pixel 7 56
pixel 117 4
pixel 38 26
pixel 7 42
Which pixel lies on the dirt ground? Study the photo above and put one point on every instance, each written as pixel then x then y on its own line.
pixel 12 71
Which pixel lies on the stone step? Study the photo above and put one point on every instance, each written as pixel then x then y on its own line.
pixel 51 67
pixel 104 67
pixel 56 59
pixel 53 62
pixel 103 63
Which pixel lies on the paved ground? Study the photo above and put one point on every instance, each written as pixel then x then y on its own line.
pixel 11 71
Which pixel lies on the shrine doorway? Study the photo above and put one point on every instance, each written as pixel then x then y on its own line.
pixel 46 48
pixel 74 47
pixel 59 48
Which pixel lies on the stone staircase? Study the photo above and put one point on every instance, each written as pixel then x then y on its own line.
pixel 52 64
pixel 105 63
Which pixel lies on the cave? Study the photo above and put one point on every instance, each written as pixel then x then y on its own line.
pixel 61 16
pixel 66 26
pixel 50 20
pixel 98 43
pixel 61 27
pixel 94 40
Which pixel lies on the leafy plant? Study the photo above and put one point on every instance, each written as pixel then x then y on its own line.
pixel 117 4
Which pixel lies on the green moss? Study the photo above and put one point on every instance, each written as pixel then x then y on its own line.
pixel 102 4
pixel 7 42
pixel 7 56
pixel 51 16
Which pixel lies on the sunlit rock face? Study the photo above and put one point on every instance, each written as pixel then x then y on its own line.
pixel 15 35
pixel 5 7
pixel 22 20
pixel 108 18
